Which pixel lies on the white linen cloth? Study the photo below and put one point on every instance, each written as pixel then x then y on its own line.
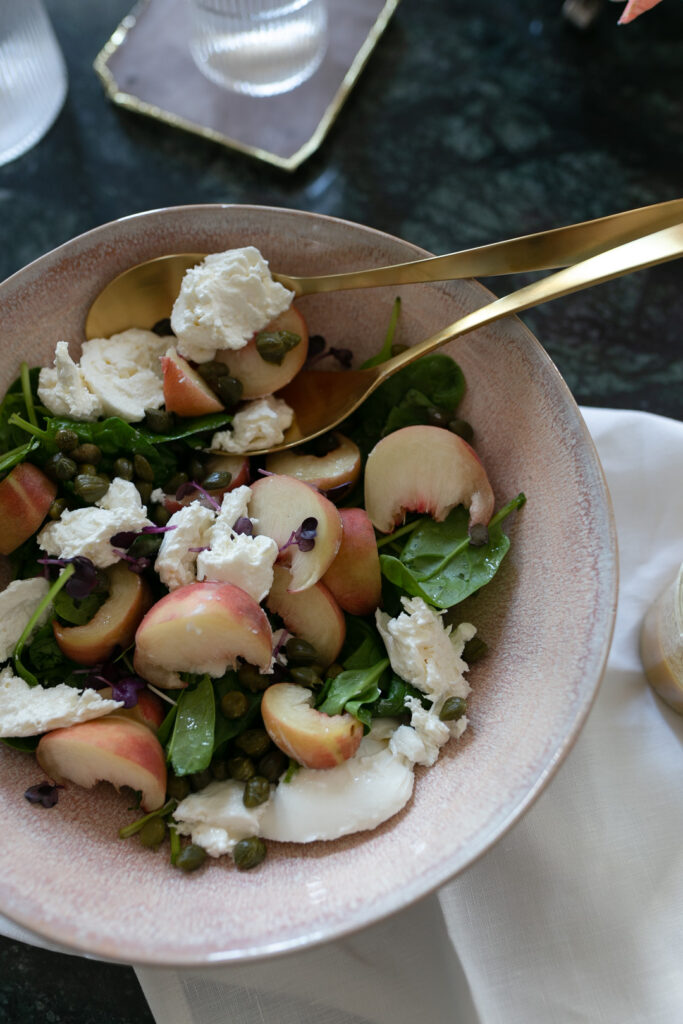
pixel 577 914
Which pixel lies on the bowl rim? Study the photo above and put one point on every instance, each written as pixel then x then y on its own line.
pixel 438 875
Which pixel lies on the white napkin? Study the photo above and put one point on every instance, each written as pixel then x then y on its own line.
pixel 577 914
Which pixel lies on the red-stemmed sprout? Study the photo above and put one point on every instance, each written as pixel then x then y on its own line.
pixel 304 537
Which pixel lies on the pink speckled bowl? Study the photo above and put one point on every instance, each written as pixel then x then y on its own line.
pixel 548 618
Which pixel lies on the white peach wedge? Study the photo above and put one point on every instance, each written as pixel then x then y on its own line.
pixel 313 739
pixel 355 578
pixel 25 497
pixel 427 470
pixel 311 614
pixel 185 392
pixel 201 627
pixel 336 469
pixel 279 505
pixel 259 377
pixel 113 624
pixel 150 710
pixel 109 749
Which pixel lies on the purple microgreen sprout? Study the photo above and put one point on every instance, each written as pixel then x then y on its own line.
pixel 137 565
pixel 157 529
pixel 344 356
pixel 244 526
pixel 44 793
pixel 127 690
pixel 191 486
pixel 284 636
pixel 304 537
pixel 199 550
pixel 84 578
pixel 123 539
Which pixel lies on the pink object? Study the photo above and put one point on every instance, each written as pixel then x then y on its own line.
pixel 634 8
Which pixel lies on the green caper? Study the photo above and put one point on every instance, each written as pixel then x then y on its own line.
pixel 305 675
pixel 229 390
pixel 66 440
pixel 300 652
pixel 146 545
pixel 190 858
pixel 250 677
pixel 273 346
pixel 159 421
pixel 234 704
pixel 144 488
pixel 273 764
pixel 217 480
pixel 174 482
pixel 87 469
pixel 474 649
pixel 87 453
pixel 334 670
pixel 256 791
pixel 249 853
pixel 453 709
pixel 253 742
pixel 462 428
pixel 196 469
pixel 438 417
pixel 178 787
pixel 152 832
pixel 397 348
pixel 57 507
pixel 200 780
pixel 160 515
pixel 61 467
pixel 212 370
pixel 219 769
pixel 124 468
pixel 90 488
pixel 241 768
pixel 143 470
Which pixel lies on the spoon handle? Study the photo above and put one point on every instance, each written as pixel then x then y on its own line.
pixel 543 251
pixel 658 247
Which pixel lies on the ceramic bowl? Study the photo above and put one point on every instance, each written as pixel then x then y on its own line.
pixel 547 617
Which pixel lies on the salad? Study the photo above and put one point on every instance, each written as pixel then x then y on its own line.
pixel 261 648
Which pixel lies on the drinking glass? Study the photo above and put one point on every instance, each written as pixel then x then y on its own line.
pixel 33 78
pixel 258 47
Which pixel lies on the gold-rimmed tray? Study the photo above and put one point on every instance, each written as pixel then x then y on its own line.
pixel 146 66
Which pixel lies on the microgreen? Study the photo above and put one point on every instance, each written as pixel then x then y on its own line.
pixel 304 537
pixel 84 579
pixel 244 526
pixel 191 486
pixel 44 793
pixel 19 667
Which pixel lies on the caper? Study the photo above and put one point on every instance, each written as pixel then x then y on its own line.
pixel 453 709
pixel 190 858
pixel 159 421
pixel 250 677
pixel 462 428
pixel 178 787
pixel 219 769
pixel 249 853
pixel 124 468
pixel 229 390
pixel 66 440
pixel 397 348
pixel 174 482
pixel 253 742
pixel 163 328
pixel 325 444
pixel 90 488
pixel 143 470
pixel 60 467
pixel 273 346
pixel 160 515
pixel 144 488
pixel 438 417
pixel 234 704
pixel 212 370
pixel 87 469
pixel 300 652
pixel 474 649
pixel 196 469
pixel 241 768
pixel 152 832
pixel 273 764
pixel 57 507
pixel 146 545
pixel 305 675
pixel 217 480
pixel 334 670
pixel 199 780
pixel 87 453
pixel 256 791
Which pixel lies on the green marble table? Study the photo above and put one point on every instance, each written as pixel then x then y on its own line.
pixel 471 122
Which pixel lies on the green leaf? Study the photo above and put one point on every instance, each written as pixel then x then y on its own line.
pixel 78 612
pixel 16 455
pixel 191 745
pixel 385 351
pixel 188 428
pixel 350 690
pixel 166 728
pixel 21 670
pixel 25 744
pixel 363 645
pixel 228 728
pixel 392 703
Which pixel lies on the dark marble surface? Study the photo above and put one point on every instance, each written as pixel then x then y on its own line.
pixel 472 122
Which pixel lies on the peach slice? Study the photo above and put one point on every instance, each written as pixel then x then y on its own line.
pixel 236 465
pixel 150 710
pixel 201 627
pixel 114 623
pixel 355 578
pixel 312 738
pixel 279 505
pixel 427 470
pixel 311 615
pixel 259 377
pixel 185 392
pixel 25 497
pixel 110 749
pixel 339 468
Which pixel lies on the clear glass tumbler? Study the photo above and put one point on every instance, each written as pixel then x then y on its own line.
pixel 258 47
pixel 33 79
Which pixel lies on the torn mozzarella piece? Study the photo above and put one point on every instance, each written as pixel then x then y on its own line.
pixel 259 424
pixel 31 710
pixel 186 530
pixel 241 559
pixel 18 601
pixel 64 391
pixel 124 371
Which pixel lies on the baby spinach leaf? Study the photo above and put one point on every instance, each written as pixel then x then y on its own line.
pixel 188 427
pixel 166 728
pixel 26 744
pixel 363 645
pixel 439 564
pixel 350 690
pixel 191 744
pixel 16 455
pixel 392 702
pixel 77 612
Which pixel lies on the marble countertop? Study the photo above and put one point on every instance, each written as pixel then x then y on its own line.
pixel 471 122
